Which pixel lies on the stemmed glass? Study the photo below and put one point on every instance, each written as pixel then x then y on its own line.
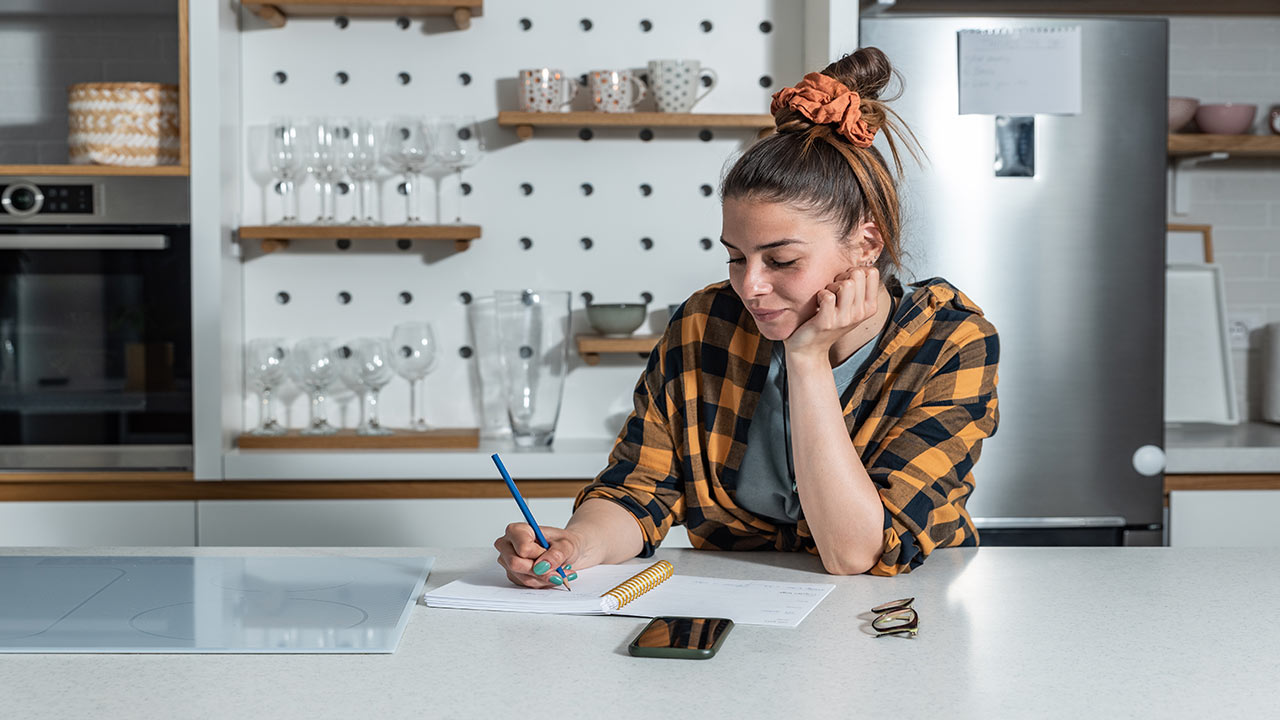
pixel 365 368
pixel 311 365
pixel 322 163
pixel 285 156
pixel 413 355
pixel 407 150
pixel 459 145
pixel 360 156
pixel 264 369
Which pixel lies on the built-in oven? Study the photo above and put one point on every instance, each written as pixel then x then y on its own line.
pixel 95 323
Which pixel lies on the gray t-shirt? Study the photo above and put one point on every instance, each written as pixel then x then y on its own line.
pixel 764 483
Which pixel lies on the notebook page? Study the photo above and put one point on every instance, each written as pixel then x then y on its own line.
pixel 746 602
pixel 491 590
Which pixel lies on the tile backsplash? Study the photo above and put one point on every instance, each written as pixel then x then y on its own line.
pixel 40 55
pixel 1236 60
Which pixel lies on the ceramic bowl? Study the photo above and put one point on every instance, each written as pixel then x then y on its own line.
pixel 1181 110
pixel 616 319
pixel 1226 118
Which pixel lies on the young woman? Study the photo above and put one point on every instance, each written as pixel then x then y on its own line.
pixel 812 402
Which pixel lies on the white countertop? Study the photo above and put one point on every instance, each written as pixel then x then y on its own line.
pixel 1203 448
pixel 1005 632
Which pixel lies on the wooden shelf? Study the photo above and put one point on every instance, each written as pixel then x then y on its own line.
pixel 525 122
pixel 276 14
pixel 347 439
pixel 591 347
pixel 95 170
pixel 1243 145
pixel 1082 7
pixel 277 237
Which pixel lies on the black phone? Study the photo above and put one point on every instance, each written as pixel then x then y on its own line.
pixel 681 637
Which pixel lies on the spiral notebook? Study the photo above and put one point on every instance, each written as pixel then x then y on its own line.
pixel 639 591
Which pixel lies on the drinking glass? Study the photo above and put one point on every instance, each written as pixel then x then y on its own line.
pixel 413 355
pixel 365 367
pixel 264 368
pixel 285 156
pixel 459 145
pixel 360 157
pixel 322 163
pixel 533 333
pixel 311 365
pixel 482 318
pixel 407 149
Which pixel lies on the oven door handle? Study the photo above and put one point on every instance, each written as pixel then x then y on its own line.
pixel 84 242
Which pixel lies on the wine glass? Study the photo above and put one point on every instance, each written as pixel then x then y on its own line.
pixel 264 369
pixel 406 149
pixel 459 145
pixel 285 156
pixel 413 355
pixel 365 368
pixel 360 157
pixel 321 160
pixel 311 365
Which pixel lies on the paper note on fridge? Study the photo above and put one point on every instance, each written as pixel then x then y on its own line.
pixel 1025 71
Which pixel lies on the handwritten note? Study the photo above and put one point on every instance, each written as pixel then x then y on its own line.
pixel 1020 72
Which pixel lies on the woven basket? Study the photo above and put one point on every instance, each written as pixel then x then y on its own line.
pixel 123 123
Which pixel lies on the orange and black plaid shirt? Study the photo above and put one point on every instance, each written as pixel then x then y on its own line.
pixel 917 417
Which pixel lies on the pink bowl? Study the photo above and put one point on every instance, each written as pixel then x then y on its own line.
pixel 1226 118
pixel 1181 110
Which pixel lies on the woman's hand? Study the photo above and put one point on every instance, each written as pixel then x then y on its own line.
pixel 528 563
pixel 850 299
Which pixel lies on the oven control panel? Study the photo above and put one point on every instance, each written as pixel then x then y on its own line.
pixel 24 199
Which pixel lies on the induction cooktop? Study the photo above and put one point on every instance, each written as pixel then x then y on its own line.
pixel 223 604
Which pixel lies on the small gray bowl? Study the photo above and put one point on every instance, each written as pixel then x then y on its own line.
pixel 616 319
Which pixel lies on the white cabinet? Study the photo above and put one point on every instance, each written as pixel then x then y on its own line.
pixel 452 522
pixel 106 524
pixel 1224 518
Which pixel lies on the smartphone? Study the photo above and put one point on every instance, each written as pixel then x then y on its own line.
pixel 681 637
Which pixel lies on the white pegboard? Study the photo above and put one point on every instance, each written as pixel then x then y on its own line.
pixel 676 215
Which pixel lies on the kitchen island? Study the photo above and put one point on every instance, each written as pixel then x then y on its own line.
pixel 1004 632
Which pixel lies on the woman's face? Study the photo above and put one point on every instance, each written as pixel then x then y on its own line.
pixel 779 258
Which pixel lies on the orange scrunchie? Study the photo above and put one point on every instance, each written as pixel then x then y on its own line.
pixel 826 101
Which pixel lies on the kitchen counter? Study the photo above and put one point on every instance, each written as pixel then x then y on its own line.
pixel 1252 447
pixel 1005 632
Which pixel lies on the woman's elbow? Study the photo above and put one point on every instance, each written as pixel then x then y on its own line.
pixel 849 565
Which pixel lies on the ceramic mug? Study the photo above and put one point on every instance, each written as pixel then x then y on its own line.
pixel 675 83
pixel 546 90
pixel 616 90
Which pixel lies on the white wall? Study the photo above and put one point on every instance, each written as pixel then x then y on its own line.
pixel 1236 60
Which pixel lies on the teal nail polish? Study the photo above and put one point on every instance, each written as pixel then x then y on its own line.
pixel 555 580
pixel 574 576
pixel 541 567
pixel 568 567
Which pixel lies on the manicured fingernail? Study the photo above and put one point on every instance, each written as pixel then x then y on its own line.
pixel 568 567
pixel 555 580
pixel 573 576
pixel 541 567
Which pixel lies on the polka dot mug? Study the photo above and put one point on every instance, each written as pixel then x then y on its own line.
pixel 546 90
pixel 616 90
pixel 675 84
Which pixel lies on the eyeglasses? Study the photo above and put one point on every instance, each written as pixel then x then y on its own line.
pixel 896 618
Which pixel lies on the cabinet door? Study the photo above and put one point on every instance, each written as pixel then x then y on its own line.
pixel 102 524
pixel 1224 518
pixel 451 522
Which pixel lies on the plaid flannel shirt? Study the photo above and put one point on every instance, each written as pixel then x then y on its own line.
pixel 917 418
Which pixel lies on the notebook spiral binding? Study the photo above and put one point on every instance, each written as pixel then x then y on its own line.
pixel 638 585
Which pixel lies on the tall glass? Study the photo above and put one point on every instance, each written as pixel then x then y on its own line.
pixel 361 161
pixel 406 148
pixel 264 370
pixel 286 156
pixel 491 403
pixel 311 365
pixel 322 163
pixel 365 367
pixel 533 345
pixel 413 355
pixel 458 146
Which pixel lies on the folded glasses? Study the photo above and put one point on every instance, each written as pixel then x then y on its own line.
pixel 896 618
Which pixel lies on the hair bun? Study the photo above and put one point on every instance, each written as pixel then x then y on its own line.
pixel 865 72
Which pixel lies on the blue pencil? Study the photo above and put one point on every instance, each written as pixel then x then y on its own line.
pixel 528 516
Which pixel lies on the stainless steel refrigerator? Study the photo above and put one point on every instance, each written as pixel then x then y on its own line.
pixel 1055 225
